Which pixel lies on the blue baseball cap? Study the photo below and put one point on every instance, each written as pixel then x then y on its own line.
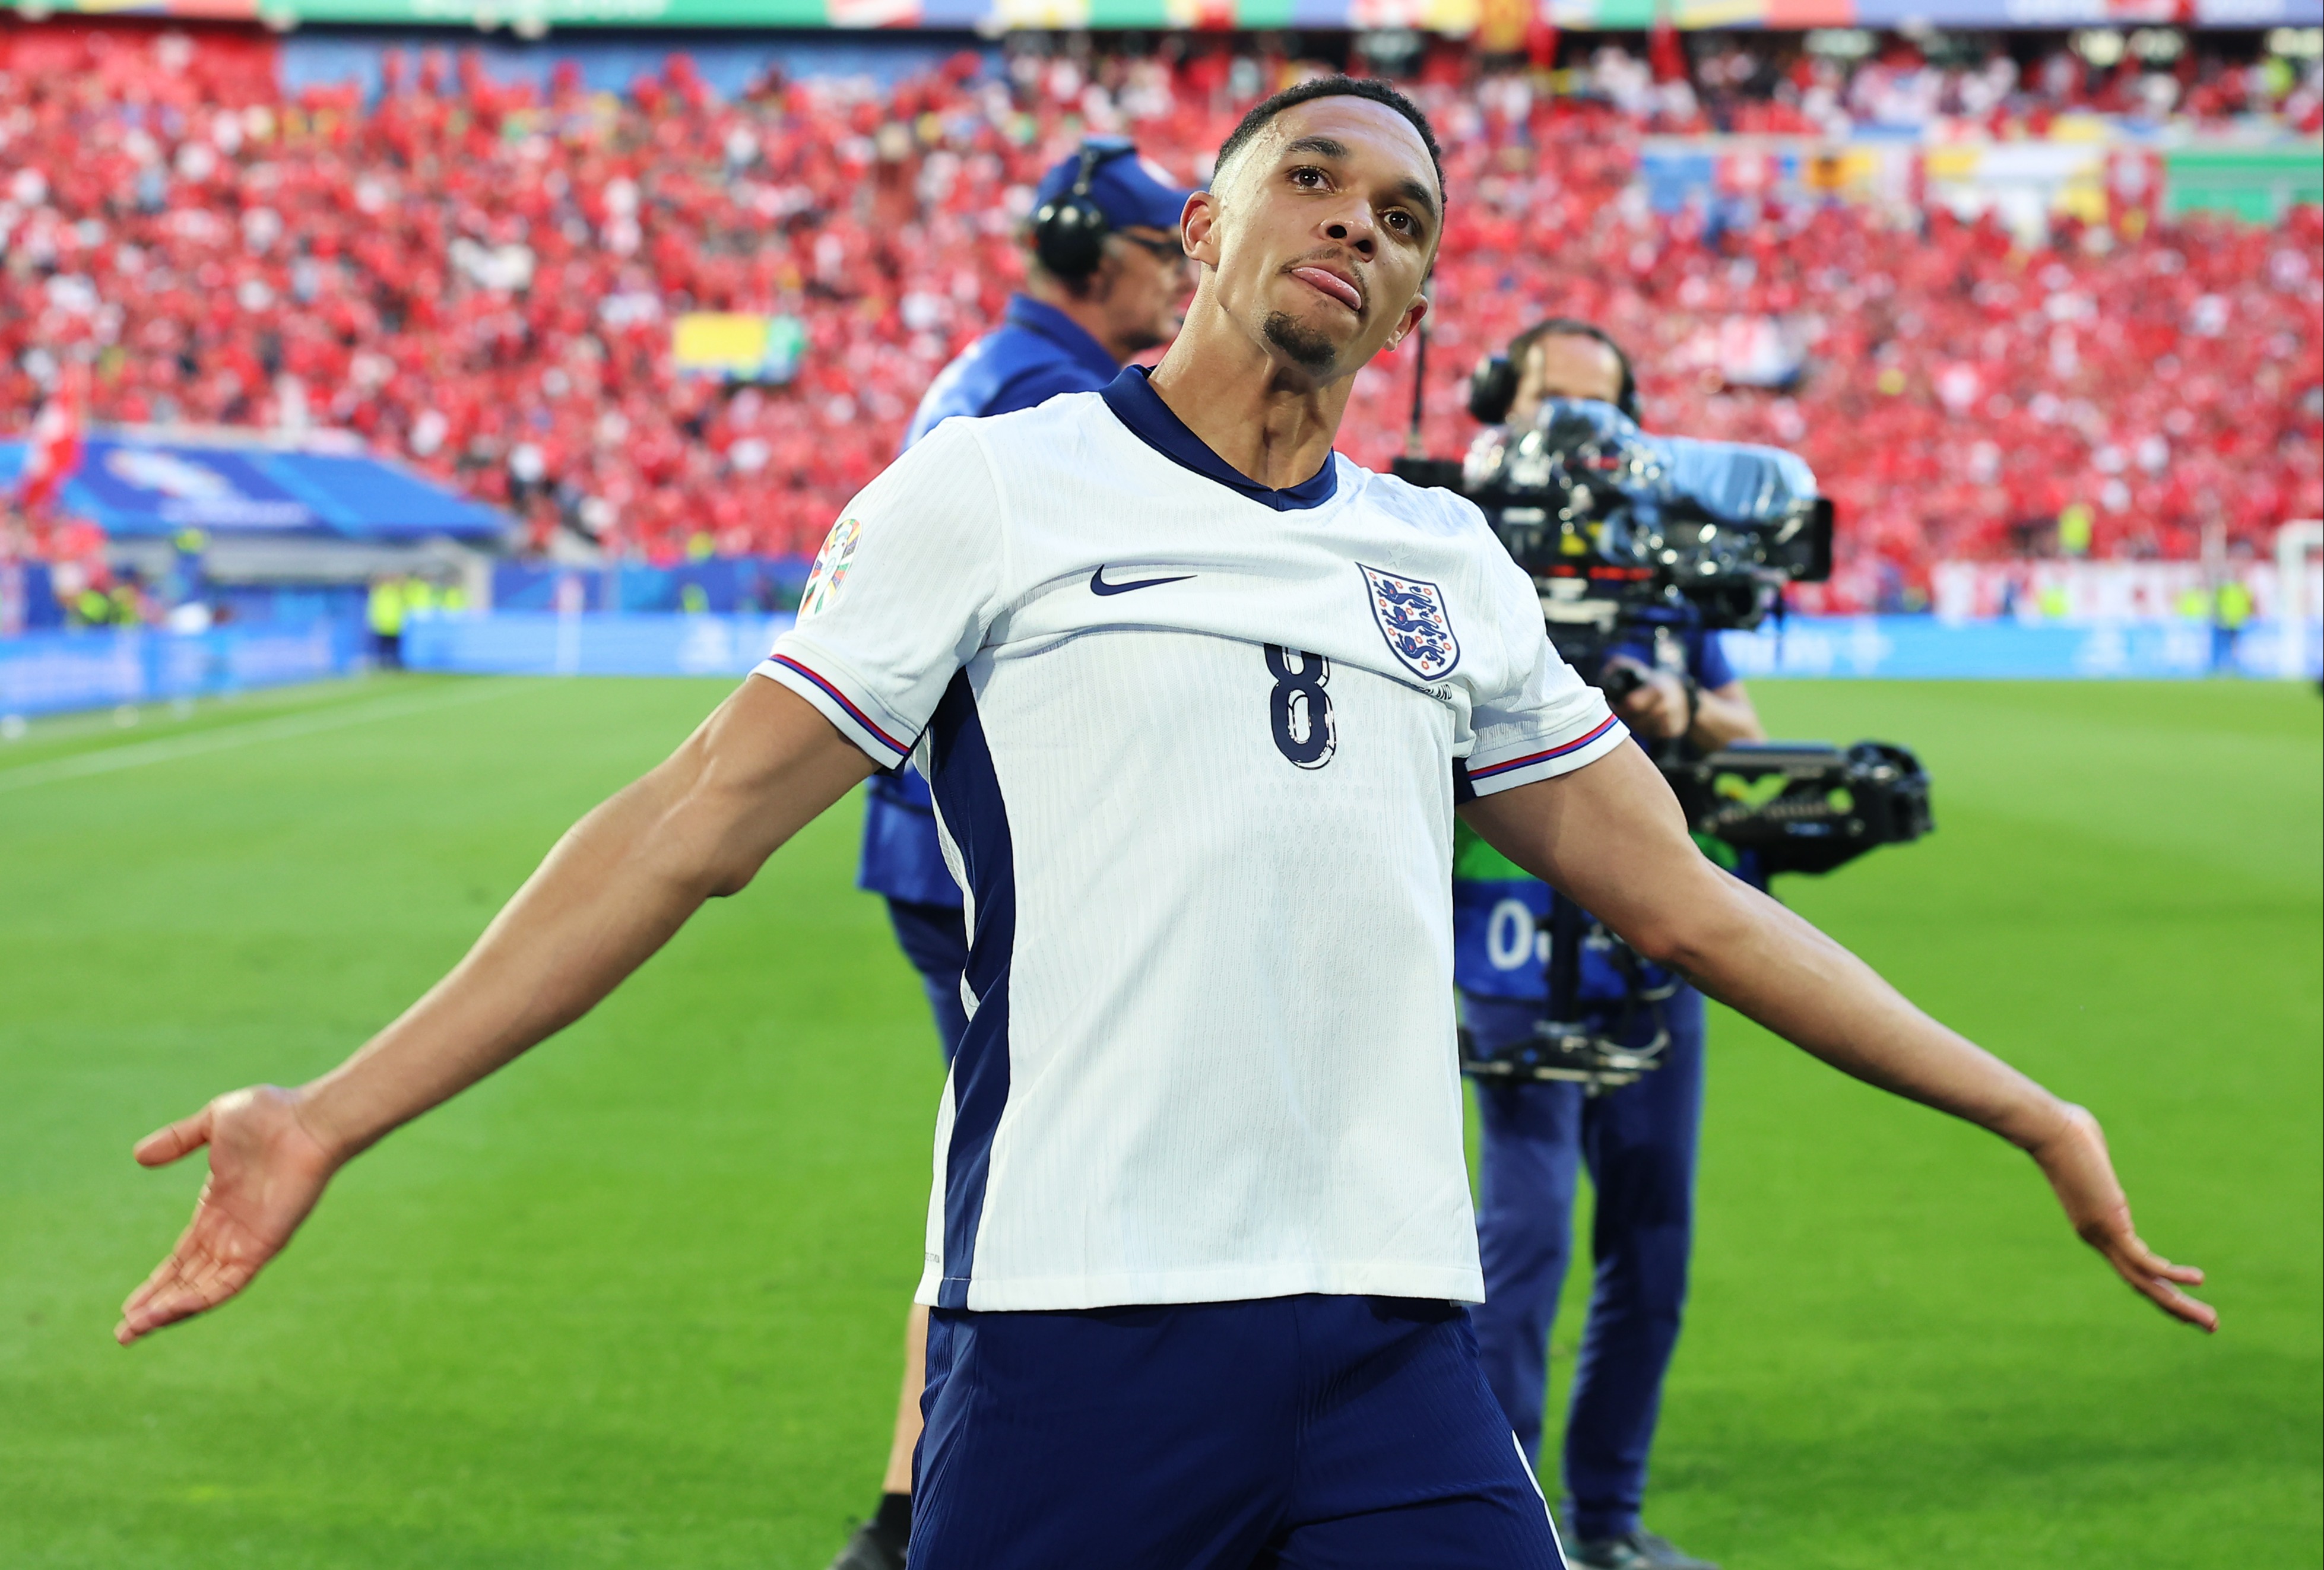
pixel 1129 190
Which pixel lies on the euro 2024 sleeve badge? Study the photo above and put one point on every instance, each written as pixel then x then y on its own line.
pixel 825 579
pixel 1412 617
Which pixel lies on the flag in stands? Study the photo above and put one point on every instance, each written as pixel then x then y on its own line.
pixel 55 451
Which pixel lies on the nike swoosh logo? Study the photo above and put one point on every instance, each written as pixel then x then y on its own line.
pixel 1098 585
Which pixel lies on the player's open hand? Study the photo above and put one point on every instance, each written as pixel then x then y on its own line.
pixel 267 1169
pixel 2076 1162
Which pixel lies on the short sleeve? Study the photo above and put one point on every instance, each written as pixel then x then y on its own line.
pixel 1545 720
pixel 900 595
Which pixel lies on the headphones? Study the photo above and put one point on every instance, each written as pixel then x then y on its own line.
pixel 1493 384
pixel 1069 231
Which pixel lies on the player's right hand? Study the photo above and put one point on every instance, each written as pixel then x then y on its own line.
pixel 267 1169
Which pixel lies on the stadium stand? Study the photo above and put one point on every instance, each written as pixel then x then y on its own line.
pixel 482 276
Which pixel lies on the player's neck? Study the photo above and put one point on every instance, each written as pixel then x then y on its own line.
pixel 1267 421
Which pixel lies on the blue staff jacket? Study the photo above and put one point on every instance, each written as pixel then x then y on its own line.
pixel 1498 948
pixel 1036 353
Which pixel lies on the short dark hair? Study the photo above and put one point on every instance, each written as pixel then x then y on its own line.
pixel 1335 87
pixel 1571 327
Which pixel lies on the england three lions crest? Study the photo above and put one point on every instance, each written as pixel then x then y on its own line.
pixel 1412 617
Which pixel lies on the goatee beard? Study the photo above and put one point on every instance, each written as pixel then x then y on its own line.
pixel 1309 350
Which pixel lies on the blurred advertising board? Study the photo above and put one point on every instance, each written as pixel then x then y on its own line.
pixel 100 666
pixel 2093 593
pixel 545 643
pixel 534 18
pixel 2090 168
pixel 1923 647
pixel 2254 183
pixel 551 643
pixel 738 347
pixel 721 584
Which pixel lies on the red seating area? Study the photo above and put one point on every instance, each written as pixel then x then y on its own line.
pixel 481 279
pixel 1958 395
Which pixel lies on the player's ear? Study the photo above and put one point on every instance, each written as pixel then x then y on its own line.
pixel 1198 226
pixel 1411 319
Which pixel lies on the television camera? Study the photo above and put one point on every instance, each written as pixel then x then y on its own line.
pixel 1633 539
pixel 1620 529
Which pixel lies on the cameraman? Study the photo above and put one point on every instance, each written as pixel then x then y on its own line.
pixel 1106 279
pixel 1690 693
pixel 1638 1141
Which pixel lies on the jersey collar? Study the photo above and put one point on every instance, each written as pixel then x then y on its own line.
pixel 1047 321
pixel 1140 408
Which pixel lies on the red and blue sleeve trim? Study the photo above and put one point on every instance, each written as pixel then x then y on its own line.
pixel 901 749
pixel 1544 756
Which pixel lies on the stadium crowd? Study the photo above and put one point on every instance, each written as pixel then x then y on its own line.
pixel 483 277
pixel 1767 84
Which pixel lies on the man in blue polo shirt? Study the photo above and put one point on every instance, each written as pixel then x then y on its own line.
pixel 1105 281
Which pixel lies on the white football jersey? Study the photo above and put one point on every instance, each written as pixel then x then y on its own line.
pixel 1195 746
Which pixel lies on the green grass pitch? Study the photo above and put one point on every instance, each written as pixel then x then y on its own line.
pixel 638 1300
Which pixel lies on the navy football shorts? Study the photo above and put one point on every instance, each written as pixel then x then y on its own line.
pixel 1312 1433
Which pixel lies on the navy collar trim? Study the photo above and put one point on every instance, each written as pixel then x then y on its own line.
pixel 1140 408
pixel 1054 325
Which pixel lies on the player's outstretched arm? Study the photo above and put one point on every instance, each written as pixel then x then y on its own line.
pixel 614 890
pixel 1610 835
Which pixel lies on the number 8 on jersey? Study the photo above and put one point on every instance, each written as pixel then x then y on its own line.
pixel 1299 710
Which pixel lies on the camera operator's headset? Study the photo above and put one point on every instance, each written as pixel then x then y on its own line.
pixel 1493 384
pixel 1069 231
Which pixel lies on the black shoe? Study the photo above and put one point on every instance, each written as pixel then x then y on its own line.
pixel 868 1550
pixel 1637 1550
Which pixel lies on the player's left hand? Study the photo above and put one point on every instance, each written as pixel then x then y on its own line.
pixel 267 1170
pixel 1657 706
pixel 2075 1160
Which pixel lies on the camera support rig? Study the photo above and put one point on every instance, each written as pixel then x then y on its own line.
pixel 1562 1045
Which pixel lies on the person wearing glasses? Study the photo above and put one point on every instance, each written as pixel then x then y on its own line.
pixel 1105 280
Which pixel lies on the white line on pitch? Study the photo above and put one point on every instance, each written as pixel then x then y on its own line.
pixel 83 764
